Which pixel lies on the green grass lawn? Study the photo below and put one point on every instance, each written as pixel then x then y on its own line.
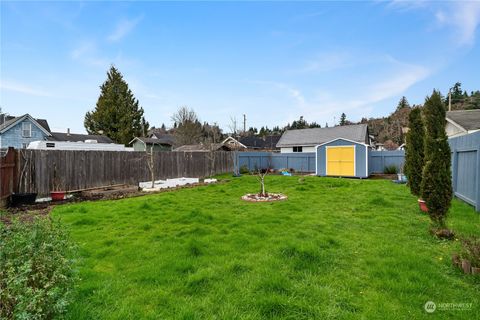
pixel 336 249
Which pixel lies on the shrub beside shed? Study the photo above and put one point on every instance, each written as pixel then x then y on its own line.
pixel 342 158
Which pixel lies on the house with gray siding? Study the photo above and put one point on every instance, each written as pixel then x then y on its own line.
pixel 306 140
pixel 462 122
pixel 18 132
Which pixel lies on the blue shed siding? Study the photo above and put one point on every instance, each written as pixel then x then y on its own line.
pixel 361 157
pixel 13 136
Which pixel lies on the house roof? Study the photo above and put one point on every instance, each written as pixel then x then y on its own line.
pixel 467 119
pixel 202 147
pixel 266 142
pixel 316 136
pixel 75 137
pixel 231 141
pixel 42 124
pixel 167 139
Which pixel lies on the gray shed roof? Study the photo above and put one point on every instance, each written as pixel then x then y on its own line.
pixel 316 136
pixel 467 119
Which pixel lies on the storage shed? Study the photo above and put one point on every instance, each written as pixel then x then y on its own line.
pixel 342 158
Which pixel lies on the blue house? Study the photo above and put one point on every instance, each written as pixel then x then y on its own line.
pixel 18 132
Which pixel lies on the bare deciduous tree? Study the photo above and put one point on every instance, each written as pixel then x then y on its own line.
pixel 233 126
pixel 211 141
pixel 150 158
pixel 261 174
pixel 188 127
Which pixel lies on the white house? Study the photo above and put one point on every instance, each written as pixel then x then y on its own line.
pixel 305 140
pixel 462 122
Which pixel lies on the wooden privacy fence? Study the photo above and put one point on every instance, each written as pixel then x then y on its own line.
pixel 47 170
pixel 466 168
pixel 8 174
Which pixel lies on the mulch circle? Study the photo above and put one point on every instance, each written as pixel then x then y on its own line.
pixel 256 197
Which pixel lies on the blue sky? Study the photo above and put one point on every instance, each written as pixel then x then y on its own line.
pixel 273 61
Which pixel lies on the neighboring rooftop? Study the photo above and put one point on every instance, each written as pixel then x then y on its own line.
pixel 316 136
pixel 8 120
pixel 166 140
pixel 75 137
pixel 265 142
pixel 202 147
pixel 467 119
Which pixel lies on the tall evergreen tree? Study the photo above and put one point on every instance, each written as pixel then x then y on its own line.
pixel 436 187
pixel 415 151
pixel 117 113
pixel 343 119
pixel 403 103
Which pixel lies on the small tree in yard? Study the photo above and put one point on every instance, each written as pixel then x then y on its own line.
pixel 150 158
pixel 436 186
pixel 415 151
pixel 261 174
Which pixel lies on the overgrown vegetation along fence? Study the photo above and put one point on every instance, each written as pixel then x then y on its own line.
pixel 466 168
pixel 302 162
pixel 379 160
pixel 44 170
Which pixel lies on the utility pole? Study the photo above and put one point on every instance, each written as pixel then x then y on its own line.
pixel 450 99
pixel 244 123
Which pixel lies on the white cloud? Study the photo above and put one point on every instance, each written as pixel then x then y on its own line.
pixel 323 104
pixel 405 5
pixel 398 84
pixel 87 53
pixel 464 16
pixel 123 28
pixel 23 88
pixel 295 94
pixel 328 62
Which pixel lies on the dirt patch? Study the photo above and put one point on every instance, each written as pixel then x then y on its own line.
pixel 26 214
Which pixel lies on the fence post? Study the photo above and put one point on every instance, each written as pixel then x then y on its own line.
pixel 477 201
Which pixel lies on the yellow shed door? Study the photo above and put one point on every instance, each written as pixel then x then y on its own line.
pixel 341 161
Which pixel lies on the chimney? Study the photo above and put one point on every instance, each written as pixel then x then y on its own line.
pixel 68 131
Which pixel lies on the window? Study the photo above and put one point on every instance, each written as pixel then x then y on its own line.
pixel 26 130
pixel 297 149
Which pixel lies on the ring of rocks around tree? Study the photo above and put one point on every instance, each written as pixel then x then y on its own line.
pixel 257 197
